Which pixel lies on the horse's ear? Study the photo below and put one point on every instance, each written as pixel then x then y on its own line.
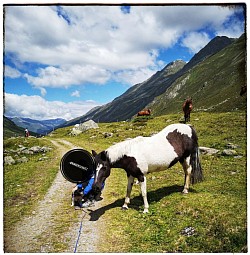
pixel 103 156
pixel 94 153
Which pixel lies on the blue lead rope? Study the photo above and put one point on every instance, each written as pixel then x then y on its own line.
pixel 79 233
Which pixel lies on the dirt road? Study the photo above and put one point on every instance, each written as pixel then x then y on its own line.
pixel 24 237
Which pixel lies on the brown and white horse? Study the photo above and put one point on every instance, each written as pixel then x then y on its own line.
pixel 141 155
pixel 187 107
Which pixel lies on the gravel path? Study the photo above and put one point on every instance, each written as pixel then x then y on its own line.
pixel 24 236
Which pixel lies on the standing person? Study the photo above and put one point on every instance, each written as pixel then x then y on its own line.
pixel 26 132
pixel 83 196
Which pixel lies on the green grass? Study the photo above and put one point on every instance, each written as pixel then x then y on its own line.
pixel 26 183
pixel 216 208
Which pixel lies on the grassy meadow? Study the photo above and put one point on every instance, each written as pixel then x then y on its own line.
pixel 216 209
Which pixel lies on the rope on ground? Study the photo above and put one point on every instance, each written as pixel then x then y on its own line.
pixel 79 232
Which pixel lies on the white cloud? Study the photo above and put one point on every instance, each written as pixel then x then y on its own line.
pixel 195 41
pixel 76 93
pixel 134 76
pixel 36 107
pixel 233 31
pixel 66 76
pixel 11 72
pixel 79 44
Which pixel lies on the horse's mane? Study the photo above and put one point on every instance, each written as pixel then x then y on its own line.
pixel 117 151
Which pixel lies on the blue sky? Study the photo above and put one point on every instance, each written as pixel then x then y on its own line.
pixel 61 61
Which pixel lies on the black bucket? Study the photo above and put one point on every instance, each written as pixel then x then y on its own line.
pixel 77 165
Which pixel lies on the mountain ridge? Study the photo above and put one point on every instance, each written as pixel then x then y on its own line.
pixel 10 129
pixel 213 84
pixel 37 126
pixel 140 95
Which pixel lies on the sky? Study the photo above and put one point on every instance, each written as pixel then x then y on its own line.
pixel 60 61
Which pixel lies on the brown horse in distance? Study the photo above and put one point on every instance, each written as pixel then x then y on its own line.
pixel 187 108
pixel 146 112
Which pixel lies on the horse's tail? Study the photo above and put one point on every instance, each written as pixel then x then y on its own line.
pixel 196 174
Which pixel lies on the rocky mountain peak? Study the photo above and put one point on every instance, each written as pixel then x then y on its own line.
pixel 173 67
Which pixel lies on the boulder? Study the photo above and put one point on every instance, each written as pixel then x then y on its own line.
pixel 45 149
pixel 75 131
pixel 232 146
pixel 79 128
pixel 229 152
pixel 88 125
pixel 35 149
pixel 8 160
pixel 208 151
pixel 22 160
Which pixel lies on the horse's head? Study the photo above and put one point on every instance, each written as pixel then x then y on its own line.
pixel 102 169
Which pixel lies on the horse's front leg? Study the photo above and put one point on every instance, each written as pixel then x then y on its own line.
pixel 144 195
pixel 129 189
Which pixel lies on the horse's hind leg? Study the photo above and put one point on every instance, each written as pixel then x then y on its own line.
pixel 187 170
pixel 129 189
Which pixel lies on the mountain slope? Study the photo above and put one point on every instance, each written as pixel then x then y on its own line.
pixel 134 99
pixel 214 84
pixel 10 129
pixel 139 96
pixel 37 126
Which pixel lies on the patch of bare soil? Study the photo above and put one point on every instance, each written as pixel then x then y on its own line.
pixel 24 236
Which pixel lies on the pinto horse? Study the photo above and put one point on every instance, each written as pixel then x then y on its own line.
pixel 146 112
pixel 187 108
pixel 142 155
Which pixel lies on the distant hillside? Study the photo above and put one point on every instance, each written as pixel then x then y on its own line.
pixel 141 95
pixel 38 126
pixel 214 84
pixel 10 129
pixel 133 100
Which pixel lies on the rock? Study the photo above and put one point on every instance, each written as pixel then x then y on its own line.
pixel 22 160
pixel 188 231
pixel 79 128
pixel 232 146
pixel 35 149
pixel 88 125
pixel 43 158
pixel 8 160
pixel 238 156
pixel 21 149
pixel 75 131
pixel 45 149
pixel 26 151
pixel 229 152
pixel 208 151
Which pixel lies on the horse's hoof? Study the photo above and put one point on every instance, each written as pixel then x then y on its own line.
pixel 124 208
pixel 145 211
pixel 185 192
